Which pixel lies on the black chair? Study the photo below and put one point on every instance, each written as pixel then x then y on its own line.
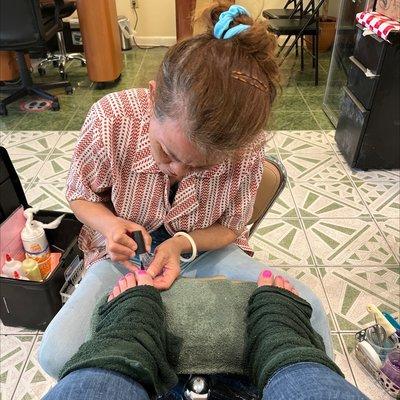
pixel 285 12
pixel 307 24
pixel 60 59
pixel 22 28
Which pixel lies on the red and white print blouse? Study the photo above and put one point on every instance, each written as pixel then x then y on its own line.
pixel 112 162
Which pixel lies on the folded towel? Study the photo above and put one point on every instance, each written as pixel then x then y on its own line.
pixel 279 333
pixel 129 338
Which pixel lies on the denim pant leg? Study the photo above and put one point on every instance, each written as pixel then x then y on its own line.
pixel 69 328
pixel 96 384
pixel 234 263
pixel 310 381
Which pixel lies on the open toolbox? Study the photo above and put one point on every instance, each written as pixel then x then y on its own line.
pixel 26 303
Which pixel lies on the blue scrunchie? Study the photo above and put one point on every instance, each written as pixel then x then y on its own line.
pixel 221 30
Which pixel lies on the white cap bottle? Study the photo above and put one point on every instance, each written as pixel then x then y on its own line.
pixel 11 268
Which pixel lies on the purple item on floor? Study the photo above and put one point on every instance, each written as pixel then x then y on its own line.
pixel 391 367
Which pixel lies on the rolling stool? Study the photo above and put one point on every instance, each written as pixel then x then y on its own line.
pixel 60 60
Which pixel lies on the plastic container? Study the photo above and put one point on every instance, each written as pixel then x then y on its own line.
pixel 30 268
pixel 26 303
pixel 11 268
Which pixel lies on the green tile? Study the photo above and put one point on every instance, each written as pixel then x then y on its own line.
pixel 76 122
pixel 46 121
pixel 314 101
pixel 311 90
pixel 12 120
pixel 323 120
pixel 285 120
pixel 70 103
pixel 290 103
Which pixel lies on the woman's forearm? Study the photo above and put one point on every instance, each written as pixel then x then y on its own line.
pixel 95 215
pixel 211 238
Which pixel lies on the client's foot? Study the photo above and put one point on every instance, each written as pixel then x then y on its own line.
pixel 139 278
pixel 266 278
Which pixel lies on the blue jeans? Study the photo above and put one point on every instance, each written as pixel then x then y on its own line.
pixel 70 327
pixel 302 381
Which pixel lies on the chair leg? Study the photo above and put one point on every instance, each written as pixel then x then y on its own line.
pixel 302 52
pixel 297 49
pixel 316 59
pixel 19 94
pixel 41 93
pixel 53 85
pixel 313 51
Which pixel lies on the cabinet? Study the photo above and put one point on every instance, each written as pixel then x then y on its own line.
pixel 368 130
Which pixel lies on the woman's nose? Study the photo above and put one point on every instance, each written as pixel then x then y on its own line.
pixel 179 169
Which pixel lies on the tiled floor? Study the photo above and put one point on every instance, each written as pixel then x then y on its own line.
pixel 335 229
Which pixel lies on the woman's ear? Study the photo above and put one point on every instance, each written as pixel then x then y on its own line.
pixel 152 89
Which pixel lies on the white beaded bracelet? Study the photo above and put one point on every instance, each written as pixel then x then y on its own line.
pixel 193 244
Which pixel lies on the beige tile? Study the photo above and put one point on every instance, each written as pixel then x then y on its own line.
pixel 348 242
pixel 15 350
pixel 391 231
pixel 34 382
pixel 350 290
pixel 282 242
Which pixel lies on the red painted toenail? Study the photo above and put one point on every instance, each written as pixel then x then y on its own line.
pixel 267 274
pixel 142 272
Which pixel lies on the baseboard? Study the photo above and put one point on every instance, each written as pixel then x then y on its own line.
pixel 155 40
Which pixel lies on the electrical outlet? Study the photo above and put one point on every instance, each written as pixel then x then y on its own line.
pixel 134 4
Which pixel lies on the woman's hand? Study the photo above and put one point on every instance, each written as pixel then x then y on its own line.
pixel 165 267
pixel 120 246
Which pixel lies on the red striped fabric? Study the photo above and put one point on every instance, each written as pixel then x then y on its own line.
pixel 378 23
pixel 112 162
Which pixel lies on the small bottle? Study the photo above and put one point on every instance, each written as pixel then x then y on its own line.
pixel 30 269
pixel 10 267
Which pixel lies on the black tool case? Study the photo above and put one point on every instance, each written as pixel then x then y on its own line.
pixel 27 303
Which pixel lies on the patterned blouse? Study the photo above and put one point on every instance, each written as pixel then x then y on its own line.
pixel 112 163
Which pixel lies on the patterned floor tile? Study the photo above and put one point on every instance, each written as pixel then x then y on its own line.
pixel 370 175
pixel 350 290
pixel 301 142
pixel 341 358
pixel 328 200
pixel 55 169
pixel 382 198
pixel 39 143
pixel 313 167
pixel 15 350
pixel 284 206
pixel 282 242
pixel 368 385
pixel 34 383
pixel 27 165
pixel 12 330
pixel 391 231
pixel 48 196
pixel 348 242
pixel 3 135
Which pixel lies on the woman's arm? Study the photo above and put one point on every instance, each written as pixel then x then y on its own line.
pixel 120 246
pixel 212 238
pixel 165 266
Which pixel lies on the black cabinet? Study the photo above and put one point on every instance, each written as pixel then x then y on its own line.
pixel 368 131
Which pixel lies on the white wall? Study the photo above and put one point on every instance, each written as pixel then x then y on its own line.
pixel 157 17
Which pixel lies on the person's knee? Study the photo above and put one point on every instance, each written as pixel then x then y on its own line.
pixel 50 364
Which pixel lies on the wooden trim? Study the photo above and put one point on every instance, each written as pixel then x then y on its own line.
pixel 184 10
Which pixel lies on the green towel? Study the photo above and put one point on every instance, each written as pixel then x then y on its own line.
pixel 129 338
pixel 279 333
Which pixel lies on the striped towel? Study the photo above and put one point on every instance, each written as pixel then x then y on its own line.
pixel 378 23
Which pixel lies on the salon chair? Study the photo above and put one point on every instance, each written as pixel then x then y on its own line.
pixel 61 58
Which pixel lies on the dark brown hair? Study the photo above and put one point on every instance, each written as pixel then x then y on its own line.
pixel 221 90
